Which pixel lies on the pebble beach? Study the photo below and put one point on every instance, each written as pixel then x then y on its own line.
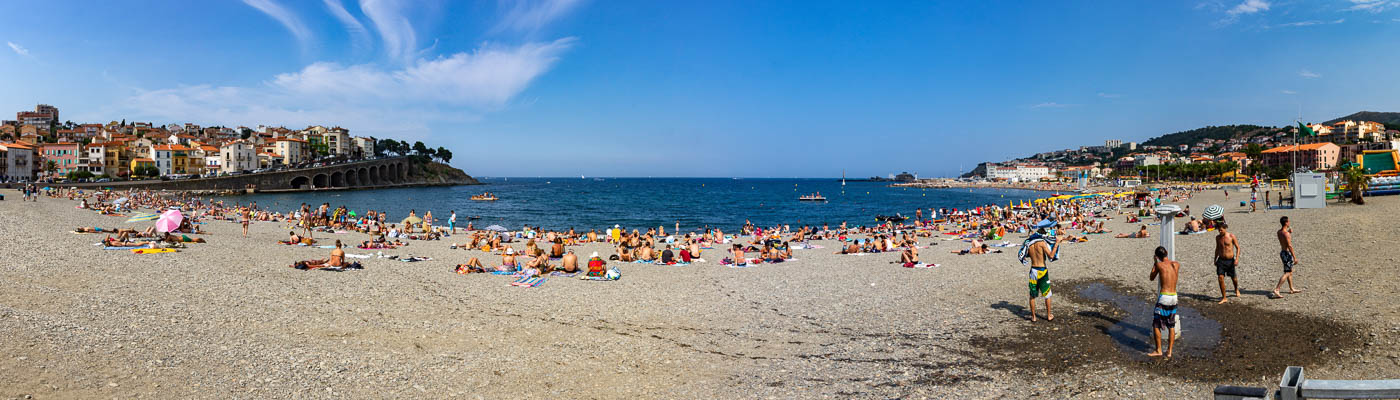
pixel 230 319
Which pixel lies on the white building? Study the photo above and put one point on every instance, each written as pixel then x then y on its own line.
pixel 1019 173
pixel 364 147
pixel 18 162
pixel 237 155
pixel 1113 143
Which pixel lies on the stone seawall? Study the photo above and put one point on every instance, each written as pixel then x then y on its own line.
pixel 370 174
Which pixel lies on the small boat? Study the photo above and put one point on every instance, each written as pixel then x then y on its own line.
pixel 812 197
pixel 484 197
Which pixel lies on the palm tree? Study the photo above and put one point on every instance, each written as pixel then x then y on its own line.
pixel 1357 181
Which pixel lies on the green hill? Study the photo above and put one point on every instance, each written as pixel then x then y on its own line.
pixel 1390 119
pixel 1210 132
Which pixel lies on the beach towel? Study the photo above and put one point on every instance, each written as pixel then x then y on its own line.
pixel 533 281
pixel 125 247
pixel 329 246
pixel 565 274
pixel 1194 233
pixel 359 255
pixel 1004 244
pixel 415 259
pixel 921 265
pixel 502 272
pixel 1024 253
pixel 596 278
pixel 152 251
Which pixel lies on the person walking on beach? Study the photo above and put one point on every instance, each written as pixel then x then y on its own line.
pixel 1227 253
pixel 1164 315
pixel 452 222
pixel 1287 255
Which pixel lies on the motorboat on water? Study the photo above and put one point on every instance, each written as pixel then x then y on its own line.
pixel 812 197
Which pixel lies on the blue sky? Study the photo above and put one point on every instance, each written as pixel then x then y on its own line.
pixel 713 88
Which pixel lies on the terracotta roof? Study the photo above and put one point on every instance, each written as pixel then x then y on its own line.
pixel 17 145
pixel 1306 147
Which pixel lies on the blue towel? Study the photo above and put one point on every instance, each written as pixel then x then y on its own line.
pixel 124 247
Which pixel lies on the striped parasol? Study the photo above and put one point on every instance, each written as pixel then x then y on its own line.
pixel 144 217
pixel 1215 211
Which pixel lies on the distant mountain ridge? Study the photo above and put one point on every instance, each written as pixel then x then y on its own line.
pixel 1194 136
pixel 1388 118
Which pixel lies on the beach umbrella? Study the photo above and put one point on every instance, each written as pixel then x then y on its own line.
pixel 352 214
pixel 1215 211
pixel 496 228
pixel 411 221
pixel 119 201
pixel 169 221
pixel 143 217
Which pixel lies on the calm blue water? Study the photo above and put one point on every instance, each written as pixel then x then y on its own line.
pixel 561 203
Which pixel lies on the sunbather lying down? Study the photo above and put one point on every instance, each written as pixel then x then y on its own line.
pixel 1141 233
pixel 983 249
pixel 101 230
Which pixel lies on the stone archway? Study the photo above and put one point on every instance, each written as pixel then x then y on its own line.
pixel 352 178
pixel 363 175
pixel 300 182
pixel 393 173
pixel 337 179
pixel 320 181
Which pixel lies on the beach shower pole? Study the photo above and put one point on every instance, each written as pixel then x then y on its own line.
pixel 1168 236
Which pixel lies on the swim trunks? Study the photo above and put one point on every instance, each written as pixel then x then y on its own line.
pixel 1287 260
pixel 1039 283
pixel 1164 314
pixel 1225 266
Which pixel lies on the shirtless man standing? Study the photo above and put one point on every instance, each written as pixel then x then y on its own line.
pixel 1040 276
pixel 1164 315
pixel 1287 254
pixel 1227 255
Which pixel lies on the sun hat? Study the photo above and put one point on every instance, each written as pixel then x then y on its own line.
pixel 595 255
pixel 510 251
pixel 1044 223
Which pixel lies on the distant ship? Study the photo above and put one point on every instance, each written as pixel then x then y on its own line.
pixel 812 197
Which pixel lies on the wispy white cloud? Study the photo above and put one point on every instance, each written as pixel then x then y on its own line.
pixel 1305 73
pixel 1249 7
pixel 530 15
pixel 394 29
pixel 359 36
pixel 1310 23
pixel 1372 6
pixel 369 98
pixel 1109 95
pixel 1052 104
pixel 286 17
pixel 18 49
pixel 1288 92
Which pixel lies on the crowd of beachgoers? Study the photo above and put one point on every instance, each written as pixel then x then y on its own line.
pixel 984 229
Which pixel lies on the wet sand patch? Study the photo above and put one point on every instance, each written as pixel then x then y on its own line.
pixel 1092 327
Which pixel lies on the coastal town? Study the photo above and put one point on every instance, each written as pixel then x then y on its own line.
pixel 39 146
pixel 1234 153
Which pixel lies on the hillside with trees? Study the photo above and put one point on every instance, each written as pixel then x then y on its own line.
pixel 1390 119
pixel 1224 132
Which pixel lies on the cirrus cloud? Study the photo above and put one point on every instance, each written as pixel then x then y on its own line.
pixel 373 100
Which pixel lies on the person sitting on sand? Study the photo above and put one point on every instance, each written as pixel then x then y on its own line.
pixel 568 262
pixel 556 250
pixel 1141 233
pixel 596 266
pixel 645 253
pixel 909 257
pixel 537 265
pixel 507 260
pixel 738 254
pixel 1193 226
pixel 292 238
pixel 337 259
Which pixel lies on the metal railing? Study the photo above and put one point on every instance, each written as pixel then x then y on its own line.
pixel 1293 386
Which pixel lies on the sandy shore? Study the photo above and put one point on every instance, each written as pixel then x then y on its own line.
pixel 230 319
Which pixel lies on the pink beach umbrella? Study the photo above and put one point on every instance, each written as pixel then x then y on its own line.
pixel 169 221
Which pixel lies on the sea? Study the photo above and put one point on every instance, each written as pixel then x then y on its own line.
pixel 694 203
